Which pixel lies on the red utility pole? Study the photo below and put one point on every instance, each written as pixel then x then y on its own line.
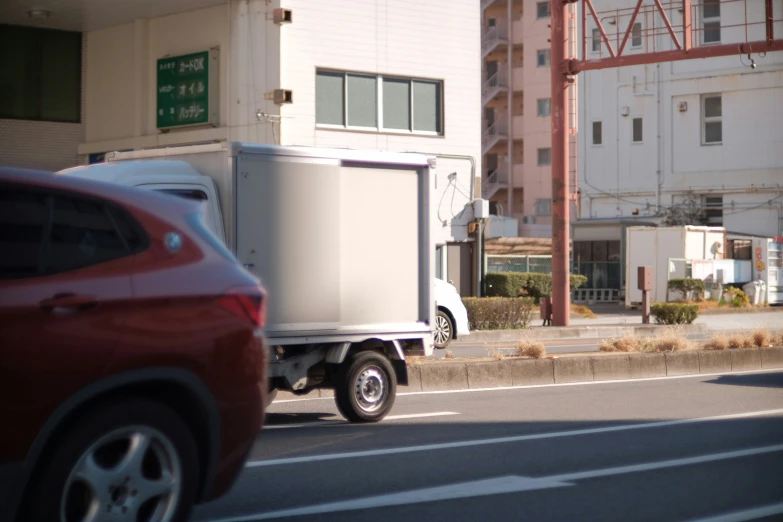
pixel 564 69
pixel 561 291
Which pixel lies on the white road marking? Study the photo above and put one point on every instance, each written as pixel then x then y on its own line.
pixel 555 385
pixel 345 423
pixel 503 440
pixel 748 514
pixel 510 484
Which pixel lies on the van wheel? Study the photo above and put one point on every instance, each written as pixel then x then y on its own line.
pixel 132 460
pixel 365 388
pixel 444 330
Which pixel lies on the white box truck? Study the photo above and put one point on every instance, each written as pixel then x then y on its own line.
pixel 339 238
pixel 666 249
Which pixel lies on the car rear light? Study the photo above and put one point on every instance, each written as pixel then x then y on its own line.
pixel 248 302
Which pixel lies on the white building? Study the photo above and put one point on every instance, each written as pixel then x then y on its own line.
pixel 652 133
pixel 371 74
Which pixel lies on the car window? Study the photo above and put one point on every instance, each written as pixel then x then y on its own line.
pixel 131 231
pixel 82 234
pixel 23 217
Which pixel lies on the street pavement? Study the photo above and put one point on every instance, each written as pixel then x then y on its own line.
pixel 716 324
pixel 670 449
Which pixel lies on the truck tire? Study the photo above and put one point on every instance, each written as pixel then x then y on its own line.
pixel 270 397
pixel 365 388
pixel 131 460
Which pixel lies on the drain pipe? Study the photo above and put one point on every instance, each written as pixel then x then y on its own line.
pixel 658 178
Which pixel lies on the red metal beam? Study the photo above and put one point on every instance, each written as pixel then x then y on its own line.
pixel 687 30
pixel 770 21
pixel 630 27
pixel 668 24
pixel 561 291
pixel 709 51
pixel 599 26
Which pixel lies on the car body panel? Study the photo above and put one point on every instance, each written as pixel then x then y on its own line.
pixel 446 296
pixel 155 317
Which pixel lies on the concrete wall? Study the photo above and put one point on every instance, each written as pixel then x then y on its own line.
pixel 432 40
pixel 619 176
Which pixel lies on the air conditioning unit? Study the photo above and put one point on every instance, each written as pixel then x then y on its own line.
pixel 281 96
pixel 528 220
pixel 282 16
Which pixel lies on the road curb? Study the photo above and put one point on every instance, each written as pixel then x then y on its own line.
pixel 445 375
pixel 573 332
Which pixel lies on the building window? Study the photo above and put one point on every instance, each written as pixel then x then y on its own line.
pixel 543 10
pixel 636 35
pixel 712 119
pixel 637 130
pixel 597 129
pixel 713 206
pixel 596 41
pixel 544 207
pixel 543 57
pixel 710 22
pixel 544 156
pixel 40 74
pixel 378 102
pixel 544 106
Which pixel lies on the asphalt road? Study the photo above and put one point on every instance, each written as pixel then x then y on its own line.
pixel 672 449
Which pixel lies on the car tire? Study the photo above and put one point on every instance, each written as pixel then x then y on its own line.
pixel 444 330
pixel 365 388
pixel 134 459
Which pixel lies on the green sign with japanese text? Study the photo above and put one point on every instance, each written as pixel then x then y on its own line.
pixel 187 90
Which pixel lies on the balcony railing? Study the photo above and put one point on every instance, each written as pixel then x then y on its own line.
pixel 494 36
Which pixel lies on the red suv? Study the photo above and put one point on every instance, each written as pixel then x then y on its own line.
pixel 132 361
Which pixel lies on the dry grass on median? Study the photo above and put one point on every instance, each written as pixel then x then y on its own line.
pixel 533 349
pixel 762 338
pixel 495 353
pixel 583 311
pixel 670 340
pixel 718 342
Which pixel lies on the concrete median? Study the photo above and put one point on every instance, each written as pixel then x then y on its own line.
pixel 445 374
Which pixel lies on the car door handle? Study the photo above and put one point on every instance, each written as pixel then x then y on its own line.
pixel 69 302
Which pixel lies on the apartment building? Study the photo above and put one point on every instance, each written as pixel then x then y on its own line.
pixel 82 79
pixel 516 101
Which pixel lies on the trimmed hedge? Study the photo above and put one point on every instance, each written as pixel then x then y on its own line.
pixel 499 313
pixel 688 286
pixel 674 313
pixel 528 284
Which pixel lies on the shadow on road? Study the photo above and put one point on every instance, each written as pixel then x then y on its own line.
pixel 763 380
pixel 273 419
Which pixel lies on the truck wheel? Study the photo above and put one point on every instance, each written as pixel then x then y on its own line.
pixel 365 388
pixel 444 330
pixel 270 397
pixel 133 460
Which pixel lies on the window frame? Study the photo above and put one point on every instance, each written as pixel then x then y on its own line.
pixel 596 41
pixel 548 57
pixel 633 129
pixel 109 210
pixel 543 207
pixel 379 128
pixel 600 133
pixel 538 156
pixel 711 119
pixel 710 20
pixel 634 36
pixel 38 83
pixel 548 10
pixel 548 101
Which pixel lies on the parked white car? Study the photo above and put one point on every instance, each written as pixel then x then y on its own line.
pixel 451 320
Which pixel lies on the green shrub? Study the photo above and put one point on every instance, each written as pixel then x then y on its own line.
pixel 674 313
pixel 688 286
pixel 499 313
pixel 736 297
pixel 528 284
